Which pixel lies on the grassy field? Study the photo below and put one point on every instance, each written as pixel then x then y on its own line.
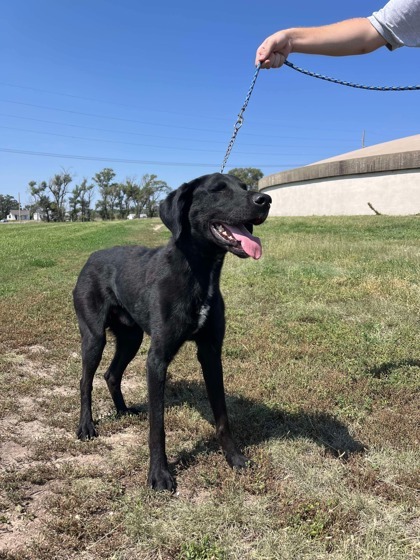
pixel 322 362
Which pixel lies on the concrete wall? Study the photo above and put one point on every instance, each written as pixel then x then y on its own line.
pixel 394 192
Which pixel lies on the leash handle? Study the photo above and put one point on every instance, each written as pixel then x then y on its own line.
pixel 240 120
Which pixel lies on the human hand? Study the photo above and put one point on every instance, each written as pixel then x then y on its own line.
pixel 274 50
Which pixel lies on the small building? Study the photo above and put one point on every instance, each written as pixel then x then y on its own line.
pixel 37 216
pixel 383 178
pixel 18 215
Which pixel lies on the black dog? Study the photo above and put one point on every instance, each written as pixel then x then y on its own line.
pixel 172 293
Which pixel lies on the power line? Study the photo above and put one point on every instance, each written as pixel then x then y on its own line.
pixel 177 138
pixel 126 143
pixel 126 132
pixel 107 141
pixel 124 105
pixel 72 112
pixel 148 123
pixel 137 161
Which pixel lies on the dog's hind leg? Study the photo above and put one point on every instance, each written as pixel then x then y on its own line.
pixel 209 356
pixel 92 348
pixel 128 341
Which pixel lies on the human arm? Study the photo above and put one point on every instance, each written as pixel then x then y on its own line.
pixel 349 37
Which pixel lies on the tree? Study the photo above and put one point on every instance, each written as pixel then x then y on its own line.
pixel 7 203
pixel 248 175
pixel 80 202
pixel 140 194
pixel 115 200
pixel 152 190
pixel 41 201
pixel 86 200
pixel 58 187
pixel 140 197
pixel 129 190
pixel 106 204
pixel 52 209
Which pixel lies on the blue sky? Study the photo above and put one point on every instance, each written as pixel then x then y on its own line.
pixel 155 87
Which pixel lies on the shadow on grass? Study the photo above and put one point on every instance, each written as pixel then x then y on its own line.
pixel 387 368
pixel 253 422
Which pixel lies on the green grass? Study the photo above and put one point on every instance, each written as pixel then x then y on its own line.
pixel 322 366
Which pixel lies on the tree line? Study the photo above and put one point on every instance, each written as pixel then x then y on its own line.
pixel 56 201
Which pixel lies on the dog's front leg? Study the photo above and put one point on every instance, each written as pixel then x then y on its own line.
pixel 159 476
pixel 209 356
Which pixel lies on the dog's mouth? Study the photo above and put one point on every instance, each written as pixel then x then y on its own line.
pixel 237 239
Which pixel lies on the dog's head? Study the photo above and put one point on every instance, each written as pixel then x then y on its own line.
pixel 218 212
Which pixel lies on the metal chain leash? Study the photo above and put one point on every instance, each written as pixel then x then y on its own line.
pixel 349 84
pixel 240 120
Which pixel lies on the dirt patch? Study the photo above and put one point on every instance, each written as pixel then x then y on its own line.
pixel 12 454
pixel 25 521
pixel 41 462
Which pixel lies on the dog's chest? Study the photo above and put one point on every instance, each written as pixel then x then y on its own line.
pixel 203 315
pixel 203 309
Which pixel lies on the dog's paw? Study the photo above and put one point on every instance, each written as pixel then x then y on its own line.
pixel 161 479
pixel 86 430
pixel 238 461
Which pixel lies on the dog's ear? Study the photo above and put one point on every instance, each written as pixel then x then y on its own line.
pixel 173 210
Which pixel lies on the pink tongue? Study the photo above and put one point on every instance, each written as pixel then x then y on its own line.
pixel 250 244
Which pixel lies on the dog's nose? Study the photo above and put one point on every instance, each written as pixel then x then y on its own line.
pixel 261 199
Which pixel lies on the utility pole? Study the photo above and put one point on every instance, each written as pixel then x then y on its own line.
pixel 19 207
pixel 363 139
